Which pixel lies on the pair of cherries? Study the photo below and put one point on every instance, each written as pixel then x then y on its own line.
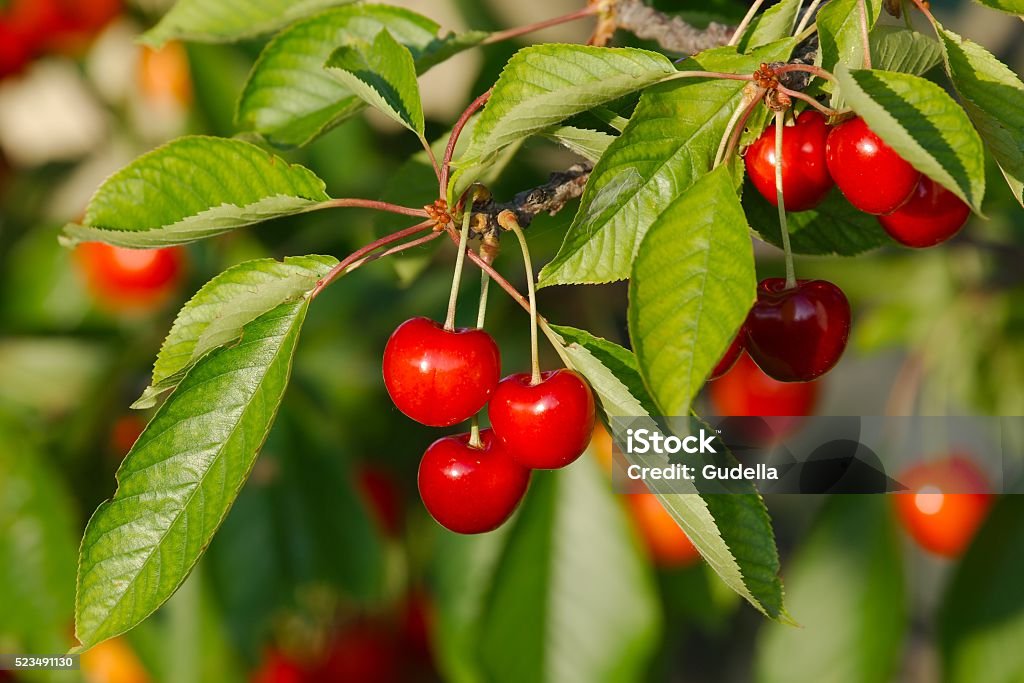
pixel 915 210
pixel 441 377
pixel 794 334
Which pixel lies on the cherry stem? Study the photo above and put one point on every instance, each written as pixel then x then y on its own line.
pixel 924 10
pixel 807 68
pixel 433 158
pixel 780 123
pixel 359 255
pixel 374 204
pixel 453 139
pixel 806 17
pixel 905 11
pixel 707 74
pixel 744 105
pixel 827 111
pixel 481 312
pixel 474 432
pixel 508 221
pixel 741 29
pixel 460 259
pixel 737 131
pixel 590 10
pixel 865 41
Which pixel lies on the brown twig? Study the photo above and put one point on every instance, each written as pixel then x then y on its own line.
pixel 550 198
pixel 671 33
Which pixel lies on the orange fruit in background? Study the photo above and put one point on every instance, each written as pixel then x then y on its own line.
pixel 113 661
pixel 164 78
pixel 944 523
pixel 668 545
pixel 121 278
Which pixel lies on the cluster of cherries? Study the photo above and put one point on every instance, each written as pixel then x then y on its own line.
pixel 31 28
pixel 915 210
pixel 472 483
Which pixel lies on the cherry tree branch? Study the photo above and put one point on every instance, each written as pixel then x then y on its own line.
pixel 671 33
pixel 562 188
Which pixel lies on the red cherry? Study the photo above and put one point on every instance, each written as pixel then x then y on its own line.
pixel 364 652
pixel 127 278
pixel 667 544
pixel 944 523
pixel 15 52
pixel 383 496
pixel 932 215
pixel 731 355
pixel 747 391
pixel 279 668
pixel 440 377
pixel 872 176
pixel 798 334
pixel 805 177
pixel 547 425
pixel 471 490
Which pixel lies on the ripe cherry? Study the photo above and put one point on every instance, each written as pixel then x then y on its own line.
pixel 15 52
pixel 667 544
pixel 747 391
pixel 872 176
pixel 546 425
pixel 731 355
pixel 363 651
pixel 130 278
pixel 932 215
pixel 277 667
pixel 805 177
pixel 941 522
pixel 471 490
pixel 440 377
pixel 798 334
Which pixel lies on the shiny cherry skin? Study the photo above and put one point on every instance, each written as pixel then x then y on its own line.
pixel 278 667
pixel 805 177
pixel 730 356
pixel 940 522
pixel 547 425
pixel 798 334
pixel 932 215
pixel 870 174
pixel 471 490
pixel 440 377
pixel 130 278
pixel 668 546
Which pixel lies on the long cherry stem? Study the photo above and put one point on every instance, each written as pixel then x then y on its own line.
pixel 806 17
pixel 707 74
pixel 737 131
pixel 808 68
pixel 744 105
pixel 453 139
pixel 865 41
pixel 590 10
pixel 481 312
pixel 827 111
pixel 780 123
pixel 432 156
pixel 348 203
pixel 364 251
pixel 460 259
pixel 741 29
pixel 507 220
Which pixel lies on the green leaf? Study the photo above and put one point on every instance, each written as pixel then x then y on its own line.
pixel 178 482
pixel 981 622
pixel 993 96
pixel 193 188
pixel 1009 6
pixel 670 142
pixel 219 21
pixel 846 590
pixel 577 611
pixel 543 85
pixel 840 32
pixel 38 533
pixel 611 370
pixel 290 99
pixel 833 227
pixel 923 124
pixel 692 286
pixel 383 75
pixel 589 144
pixel 217 313
pixel 899 49
pixel 774 24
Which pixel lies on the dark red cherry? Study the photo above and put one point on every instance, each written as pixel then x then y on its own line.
pixel 471 490
pixel 731 355
pixel 870 174
pixel 547 425
pixel 932 215
pixel 805 177
pixel 797 334
pixel 440 377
